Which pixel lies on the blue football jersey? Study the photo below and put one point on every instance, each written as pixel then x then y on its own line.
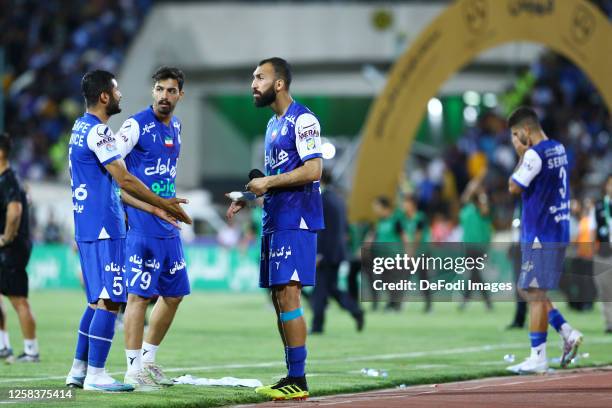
pixel 151 150
pixel 544 177
pixel 290 141
pixel 98 213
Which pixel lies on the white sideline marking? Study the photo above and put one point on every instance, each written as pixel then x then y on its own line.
pixel 475 349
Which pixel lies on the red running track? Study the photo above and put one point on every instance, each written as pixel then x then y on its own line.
pixel 586 388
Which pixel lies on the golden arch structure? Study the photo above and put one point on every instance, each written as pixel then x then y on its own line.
pixel 574 28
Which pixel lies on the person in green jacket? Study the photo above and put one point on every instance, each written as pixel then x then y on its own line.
pixel 477 224
pixel 387 229
pixel 416 227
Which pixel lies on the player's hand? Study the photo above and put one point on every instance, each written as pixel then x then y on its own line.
pixel 259 185
pixel 234 208
pixel 159 213
pixel 519 146
pixel 174 208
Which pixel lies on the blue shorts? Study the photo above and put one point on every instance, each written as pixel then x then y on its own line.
pixel 155 266
pixel 102 264
pixel 286 256
pixel 541 268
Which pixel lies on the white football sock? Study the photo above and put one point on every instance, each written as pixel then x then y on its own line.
pixel 134 362
pixel 79 368
pixel 539 352
pixel 566 330
pixel 94 371
pixel 148 352
pixel 30 346
pixel 4 343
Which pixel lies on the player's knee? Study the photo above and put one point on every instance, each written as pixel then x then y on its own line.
pixel 109 305
pixel 288 297
pixel 19 302
pixel 173 301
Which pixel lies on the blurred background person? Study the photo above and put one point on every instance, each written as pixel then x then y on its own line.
pixel 416 229
pixel 477 226
pixel 15 251
pixel 331 252
pixel 603 258
pixel 388 230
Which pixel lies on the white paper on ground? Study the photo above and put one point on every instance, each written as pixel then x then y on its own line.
pixel 225 381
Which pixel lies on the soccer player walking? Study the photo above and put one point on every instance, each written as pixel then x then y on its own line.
pixel 96 172
pixel 292 214
pixel 155 263
pixel 542 180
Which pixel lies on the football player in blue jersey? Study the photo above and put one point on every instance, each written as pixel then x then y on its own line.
pixel 155 263
pixel 292 214
pixel 97 172
pixel 542 180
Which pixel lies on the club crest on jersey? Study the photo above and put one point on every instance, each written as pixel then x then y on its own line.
pixel 284 130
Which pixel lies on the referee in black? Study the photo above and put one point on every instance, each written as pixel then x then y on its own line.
pixel 331 251
pixel 15 250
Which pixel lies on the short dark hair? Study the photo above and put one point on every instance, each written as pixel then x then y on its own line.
pixel 165 72
pixel 5 143
pixel 94 83
pixel 383 201
pixel 282 69
pixel 523 114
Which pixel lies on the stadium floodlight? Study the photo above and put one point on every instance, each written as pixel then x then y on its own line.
pixel 470 115
pixel 434 108
pixel 471 98
pixel 328 149
pixel 489 100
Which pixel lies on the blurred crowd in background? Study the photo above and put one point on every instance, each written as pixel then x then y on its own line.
pixel 48 46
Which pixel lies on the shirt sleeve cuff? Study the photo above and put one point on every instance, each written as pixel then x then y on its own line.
pixel 311 156
pixel 519 183
pixel 112 159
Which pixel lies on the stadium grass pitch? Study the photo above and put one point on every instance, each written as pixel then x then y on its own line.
pixel 217 335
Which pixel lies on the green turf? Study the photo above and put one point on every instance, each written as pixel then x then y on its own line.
pixel 212 332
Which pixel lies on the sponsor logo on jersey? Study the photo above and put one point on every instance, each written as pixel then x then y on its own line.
pixel 108 140
pixel 276 160
pixel 161 169
pixel 103 131
pixel 308 131
pixel 164 188
pixel 147 128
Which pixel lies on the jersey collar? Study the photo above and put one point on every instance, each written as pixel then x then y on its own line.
pixel 92 116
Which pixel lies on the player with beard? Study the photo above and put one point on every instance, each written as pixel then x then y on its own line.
pixel 97 171
pixel 155 262
pixel 293 214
